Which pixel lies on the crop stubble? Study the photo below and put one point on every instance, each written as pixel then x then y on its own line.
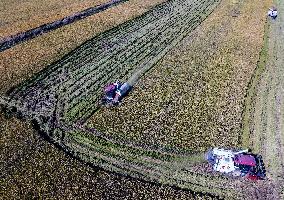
pixel 110 158
pixel 199 74
pixel 112 55
pixel 193 98
pixel 26 59
pixel 266 124
pixel 33 168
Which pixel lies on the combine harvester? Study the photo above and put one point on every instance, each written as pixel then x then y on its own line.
pixel 236 163
pixel 114 93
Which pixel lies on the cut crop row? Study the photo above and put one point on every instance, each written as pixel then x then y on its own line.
pixel 47 87
pixel 100 56
pixel 129 161
pixel 95 44
pixel 154 52
pixel 150 50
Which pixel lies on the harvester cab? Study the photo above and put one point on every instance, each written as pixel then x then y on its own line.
pixel 115 92
pixel 240 163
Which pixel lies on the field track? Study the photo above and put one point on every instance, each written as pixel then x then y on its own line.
pixel 17 17
pixel 117 54
pixel 112 55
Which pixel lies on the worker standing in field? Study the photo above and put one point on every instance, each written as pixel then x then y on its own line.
pixel 272 12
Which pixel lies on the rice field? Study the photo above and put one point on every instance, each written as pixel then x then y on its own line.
pixel 21 16
pixel 193 98
pixel 21 62
pixel 109 56
pixel 189 97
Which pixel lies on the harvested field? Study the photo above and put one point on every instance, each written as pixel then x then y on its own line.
pixel 164 167
pixel 193 98
pixel 24 60
pixel 266 118
pixel 18 17
pixel 77 79
pixel 33 168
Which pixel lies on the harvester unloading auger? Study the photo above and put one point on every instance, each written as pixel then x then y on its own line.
pixel 239 163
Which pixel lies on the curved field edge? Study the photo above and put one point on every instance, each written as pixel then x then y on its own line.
pixel 40 168
pixel 153 166
pixel 140 163
pixel 30 57
pixel 170 169
pixel 67 56
pixel 186 94
pixel 82 48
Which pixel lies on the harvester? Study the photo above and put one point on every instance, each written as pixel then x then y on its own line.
pixel 115 92
pixel 238 163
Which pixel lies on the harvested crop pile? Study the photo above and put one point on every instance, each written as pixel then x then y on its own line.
pixel 193 97
pixel 24 60
pixel 33 168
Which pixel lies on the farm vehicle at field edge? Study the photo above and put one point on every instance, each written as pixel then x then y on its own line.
pixel 237 163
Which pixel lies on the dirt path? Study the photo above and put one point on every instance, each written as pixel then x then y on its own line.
pixel 267 123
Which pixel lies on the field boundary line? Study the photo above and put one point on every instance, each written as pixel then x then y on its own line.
pixel 18 38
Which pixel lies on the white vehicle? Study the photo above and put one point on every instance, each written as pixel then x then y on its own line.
pixel 236 163
pixel 272 12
